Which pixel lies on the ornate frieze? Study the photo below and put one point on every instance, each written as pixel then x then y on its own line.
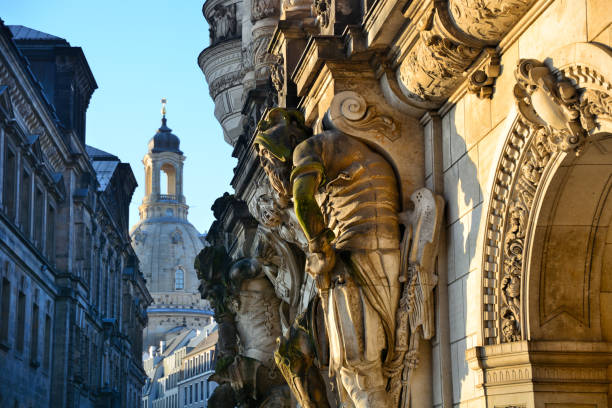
pixel 224 82
pixel 487 20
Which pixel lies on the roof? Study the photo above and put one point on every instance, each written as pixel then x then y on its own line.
pixel 28 34
pixel 104 172
pixel 97 154
pixel 104 164
pixel 164 140
pixel 206 343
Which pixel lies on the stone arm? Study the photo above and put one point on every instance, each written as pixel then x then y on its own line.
pixel 307 210
pixel 321 258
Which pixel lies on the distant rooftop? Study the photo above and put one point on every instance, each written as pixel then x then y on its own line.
pixel 97 154
pixel 23 33
pixel 104 164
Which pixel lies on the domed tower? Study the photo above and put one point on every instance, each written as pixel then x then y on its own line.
pixel 166 243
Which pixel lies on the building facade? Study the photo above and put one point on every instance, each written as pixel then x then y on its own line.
pixel 185 359
pixel 196 386
pixel 73 299
pixel 427 212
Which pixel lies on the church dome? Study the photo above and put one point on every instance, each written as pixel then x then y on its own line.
pixel 164 140
pixel 167 247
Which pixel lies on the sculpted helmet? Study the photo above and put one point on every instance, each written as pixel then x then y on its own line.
pixel 280 131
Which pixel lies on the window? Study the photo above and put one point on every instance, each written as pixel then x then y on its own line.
pixel 34 336
pixel 47 340
pixel 6 310
pixel 179 279
pixel 25 202
pixel 38 217
pixel 185 395
pixel 50 239
pixel 21 304
pixel 202 390
pixel 168 180
pixel 191 394
pixel 10 186
pixel 196 392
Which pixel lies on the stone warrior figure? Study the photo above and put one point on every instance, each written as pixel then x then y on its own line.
pixel 346 200
pixel 246 309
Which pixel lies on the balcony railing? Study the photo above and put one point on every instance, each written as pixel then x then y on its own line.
pixel 168 197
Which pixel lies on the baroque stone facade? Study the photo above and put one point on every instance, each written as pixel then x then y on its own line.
pixel 421 209
pixel 72 297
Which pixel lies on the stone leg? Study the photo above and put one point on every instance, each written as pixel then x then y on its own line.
pixel 356 330
pixel 365 386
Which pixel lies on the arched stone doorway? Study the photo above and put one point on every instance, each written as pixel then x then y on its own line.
pixel 547 264
pixel 569 276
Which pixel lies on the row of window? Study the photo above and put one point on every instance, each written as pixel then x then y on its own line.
pixel 199 364
pixel 191 392
pixel 17 319
pixel 25 203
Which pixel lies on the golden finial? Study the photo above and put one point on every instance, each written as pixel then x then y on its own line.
pixel 163 110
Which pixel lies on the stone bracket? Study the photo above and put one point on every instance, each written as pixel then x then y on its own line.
pixel 482 80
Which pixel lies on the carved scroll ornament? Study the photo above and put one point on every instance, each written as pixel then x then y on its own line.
pixel 557 113
pixel 350 113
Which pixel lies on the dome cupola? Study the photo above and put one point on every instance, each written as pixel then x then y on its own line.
pixel 164 140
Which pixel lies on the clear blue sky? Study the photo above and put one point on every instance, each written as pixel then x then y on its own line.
pixel 140 51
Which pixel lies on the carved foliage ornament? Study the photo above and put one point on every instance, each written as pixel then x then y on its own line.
pixel 557 113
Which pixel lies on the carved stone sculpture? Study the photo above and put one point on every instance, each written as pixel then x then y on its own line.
pixel 223 23
pixel 296 356
pixel 346 200
pixel 550 103
pixel 246 310
pixel 482 80
pixel 264 8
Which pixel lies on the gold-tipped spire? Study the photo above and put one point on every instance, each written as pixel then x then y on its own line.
pixel 163 109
